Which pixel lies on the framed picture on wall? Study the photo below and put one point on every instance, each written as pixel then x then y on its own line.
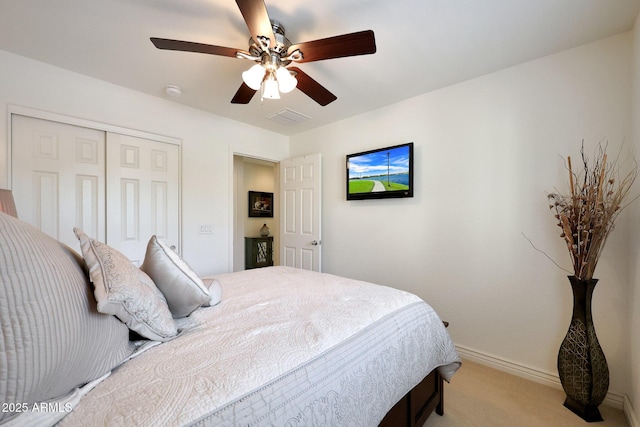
pixel 260 204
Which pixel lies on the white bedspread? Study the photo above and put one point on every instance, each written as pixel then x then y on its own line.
pixel 276 351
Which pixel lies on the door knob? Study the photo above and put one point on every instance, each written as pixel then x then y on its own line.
pixel 315 243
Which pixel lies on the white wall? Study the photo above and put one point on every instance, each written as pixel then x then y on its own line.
pixel 488 151
pixel 208 142
pixel 634 249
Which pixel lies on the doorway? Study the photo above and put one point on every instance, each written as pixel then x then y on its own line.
pixel 251 174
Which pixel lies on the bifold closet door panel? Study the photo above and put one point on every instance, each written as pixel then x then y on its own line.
pixel 58 177
pixel 143 193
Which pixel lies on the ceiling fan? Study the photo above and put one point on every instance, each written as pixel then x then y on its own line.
pixel 273 54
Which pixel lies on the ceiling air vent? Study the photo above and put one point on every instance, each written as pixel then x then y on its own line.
pixel 288 117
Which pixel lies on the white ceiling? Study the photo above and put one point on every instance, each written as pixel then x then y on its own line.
pixel 422 45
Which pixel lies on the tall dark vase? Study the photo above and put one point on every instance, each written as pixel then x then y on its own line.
pixel 582 365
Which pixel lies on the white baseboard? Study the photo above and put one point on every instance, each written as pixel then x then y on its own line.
pixel 632 418
pixel 552 380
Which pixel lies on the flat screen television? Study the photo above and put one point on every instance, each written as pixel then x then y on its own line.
pixel 381 173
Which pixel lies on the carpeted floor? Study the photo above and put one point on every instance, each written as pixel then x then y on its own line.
pixel 479 396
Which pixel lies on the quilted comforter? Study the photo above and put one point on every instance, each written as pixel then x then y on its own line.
pixel 285 347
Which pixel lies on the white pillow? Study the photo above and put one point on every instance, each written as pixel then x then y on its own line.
pixel 182 288
pixel 215 290
pixel 125 291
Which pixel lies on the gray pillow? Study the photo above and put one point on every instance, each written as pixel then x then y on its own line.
pixel 122 289
pixel 52 338
pixel 182 288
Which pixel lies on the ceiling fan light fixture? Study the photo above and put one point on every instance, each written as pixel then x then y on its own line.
pixel 286 82
pixel 253 76
pixel 270 88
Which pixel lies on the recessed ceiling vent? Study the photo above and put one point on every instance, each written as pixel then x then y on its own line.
pixel 288 117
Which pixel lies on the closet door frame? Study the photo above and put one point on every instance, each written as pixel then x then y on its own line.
pixel 55 117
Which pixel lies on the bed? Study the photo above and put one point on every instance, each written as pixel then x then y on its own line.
pixel 274 346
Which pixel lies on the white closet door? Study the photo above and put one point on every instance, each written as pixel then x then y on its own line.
pixel 58 177
pixel 143 193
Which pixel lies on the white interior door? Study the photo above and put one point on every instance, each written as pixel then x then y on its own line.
pixel 58 177
pixel 300 213
pixel 143 194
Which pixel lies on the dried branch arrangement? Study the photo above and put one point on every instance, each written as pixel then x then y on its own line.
pixel 587 214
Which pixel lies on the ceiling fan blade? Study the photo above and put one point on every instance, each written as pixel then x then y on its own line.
pixel 169 44
pixel 243 95
pixel 360 43
pixel 256 16
pixel 312 88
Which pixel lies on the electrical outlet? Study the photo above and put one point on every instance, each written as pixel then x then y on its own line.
pixel 205 229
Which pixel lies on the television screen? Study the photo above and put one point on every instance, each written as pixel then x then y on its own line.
pixel 382 173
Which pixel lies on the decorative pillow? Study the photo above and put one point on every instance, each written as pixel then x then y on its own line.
pixel 182 288
pixel 52 338
pixel 125 291
pixel 215 290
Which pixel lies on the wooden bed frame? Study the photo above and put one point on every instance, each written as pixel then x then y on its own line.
pixel 416 406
